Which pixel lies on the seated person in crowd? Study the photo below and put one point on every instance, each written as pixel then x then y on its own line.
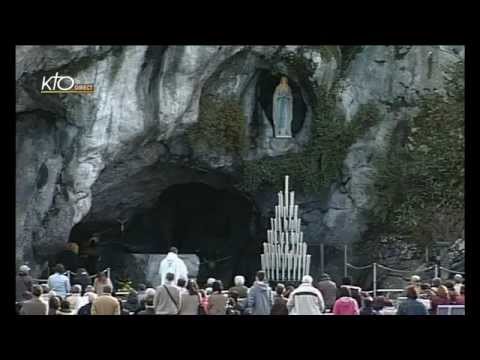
pixel 412 306
pixel 65 308
pixel 75 298
pixel 149 307
pixel 87 308
pixel 35 306
pixel 240 287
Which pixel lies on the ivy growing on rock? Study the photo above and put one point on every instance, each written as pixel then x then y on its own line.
pixel 321 162
pixel 420 184
pixel 220 126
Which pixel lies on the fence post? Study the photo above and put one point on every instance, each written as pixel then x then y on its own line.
pixel 436 270
pixel 374 280
pixel 345 273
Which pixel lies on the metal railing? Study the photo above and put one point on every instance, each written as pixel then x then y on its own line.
pixel 70 273
pixel 375 266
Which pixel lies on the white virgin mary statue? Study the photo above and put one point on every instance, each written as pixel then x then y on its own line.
pixel 283 109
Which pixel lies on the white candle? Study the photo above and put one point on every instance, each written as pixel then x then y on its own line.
pixel 286 191
pixel 292 198
pixel 302 267
pixel 278 266
pixel 272 264
pixel 290 213
pixel 264 248
pixel 266 260
pixel 262 260
pixel 296 212
pixel 308 264
pixel 294 267
pixel 279 198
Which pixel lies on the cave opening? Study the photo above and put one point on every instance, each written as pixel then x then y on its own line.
pixel 218 225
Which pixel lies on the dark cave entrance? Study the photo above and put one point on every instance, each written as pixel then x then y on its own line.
pixel 215 224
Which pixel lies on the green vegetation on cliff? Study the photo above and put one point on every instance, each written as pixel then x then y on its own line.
pixel 322 160
pixel 420 184
pixel 220 126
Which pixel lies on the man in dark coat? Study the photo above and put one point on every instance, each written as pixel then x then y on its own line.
pixel 82 278
pixel 328 288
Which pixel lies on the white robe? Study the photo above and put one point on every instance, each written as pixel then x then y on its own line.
pixel 173 264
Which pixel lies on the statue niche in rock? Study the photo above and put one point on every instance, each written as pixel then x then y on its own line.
pixel 283 109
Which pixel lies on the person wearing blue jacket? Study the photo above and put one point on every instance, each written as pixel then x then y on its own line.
pixel 412 306
pixel 260 296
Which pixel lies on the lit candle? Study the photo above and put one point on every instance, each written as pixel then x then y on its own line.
pixel 292 198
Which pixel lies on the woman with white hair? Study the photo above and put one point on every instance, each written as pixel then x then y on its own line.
pixel 149 292
pixel 86 309
pixel 208 288
pixel 239 287
pixel 306 299
pixel 458 282
pixel 75 299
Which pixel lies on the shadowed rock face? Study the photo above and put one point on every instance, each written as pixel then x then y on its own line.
pixel 108 155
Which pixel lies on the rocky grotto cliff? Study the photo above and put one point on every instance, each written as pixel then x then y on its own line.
pixel 167 115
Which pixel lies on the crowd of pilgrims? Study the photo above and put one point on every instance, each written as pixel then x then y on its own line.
pixel 185 297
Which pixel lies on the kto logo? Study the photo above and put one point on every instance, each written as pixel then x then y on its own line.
pixel 64 84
